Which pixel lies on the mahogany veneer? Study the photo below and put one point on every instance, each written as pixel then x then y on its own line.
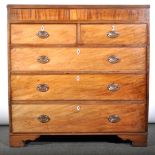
pixel 90 59
pixel 78 70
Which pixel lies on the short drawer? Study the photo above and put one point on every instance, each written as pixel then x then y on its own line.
pixel 80 118
pixel 118 34
pixel 78 59
pixel 78 87
pixel 43 34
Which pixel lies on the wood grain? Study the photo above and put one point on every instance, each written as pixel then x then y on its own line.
pixel 13 6
pixel 58 34
pixel 19 140
pixel 84 27
pixel 66 118
pixel 139 140
pixel 85 13
pixel 67 59
pixel 105 102
pixel 89 87
pixel 128 34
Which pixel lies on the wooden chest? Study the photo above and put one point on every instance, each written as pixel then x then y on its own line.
pixel 78 70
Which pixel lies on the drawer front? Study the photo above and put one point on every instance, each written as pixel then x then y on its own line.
pixel 78 87
pixel 121 34
pixel 123 14
pixel 78 59
pixel 48 34
pixel 78 118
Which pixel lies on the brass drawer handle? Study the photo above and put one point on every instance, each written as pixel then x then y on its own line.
pixel 113 33
pixel 43 59
pixel 114 118
pixel 44 118
pixel 113 59
pixel 113 87
pixel 42 87
pixel 42 33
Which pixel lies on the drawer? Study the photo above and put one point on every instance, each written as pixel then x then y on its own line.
pixel 78 87
pixel 48 34
pixel 119 34
pixel 70 117
pixel 79 14
pixel 78 59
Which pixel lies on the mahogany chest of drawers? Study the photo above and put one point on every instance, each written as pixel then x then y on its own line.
pixel 78 70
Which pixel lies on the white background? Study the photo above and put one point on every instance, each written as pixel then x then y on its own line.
pixel 3 46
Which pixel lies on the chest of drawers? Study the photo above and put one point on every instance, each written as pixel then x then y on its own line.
pixel 78 70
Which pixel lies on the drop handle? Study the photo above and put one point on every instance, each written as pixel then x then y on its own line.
pixel 42 87
pixel 113 87
pixel 43 118
pixel 43 59
pixel 113 59
pixel 42 33
pixel 114 118
pixel 113 33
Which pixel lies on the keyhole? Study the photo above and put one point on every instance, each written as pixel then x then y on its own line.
pixel 78 108
pixel 113 27
pixel 78 78
pixel 42 28
pixel 78 51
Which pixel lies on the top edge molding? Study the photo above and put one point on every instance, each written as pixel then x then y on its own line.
pixel 76 6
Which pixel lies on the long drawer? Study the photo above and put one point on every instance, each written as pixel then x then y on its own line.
pixel 113 34
pixel 78 59
pixel 81 118
pixel 78 87
pixel 43 34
